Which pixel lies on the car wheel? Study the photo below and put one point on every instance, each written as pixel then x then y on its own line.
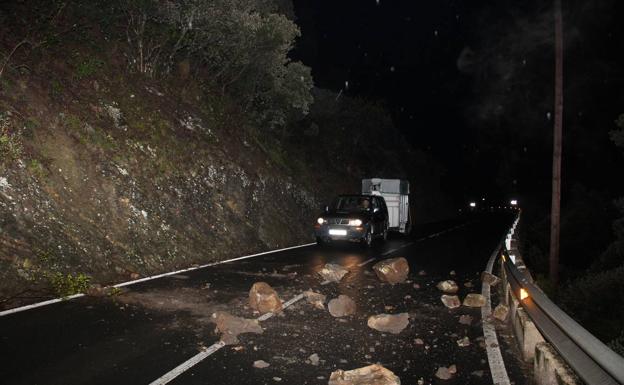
pixel 368 239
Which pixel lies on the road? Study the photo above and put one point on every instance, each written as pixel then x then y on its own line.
pixel 139 335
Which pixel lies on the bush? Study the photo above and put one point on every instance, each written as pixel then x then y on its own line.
pixel 65 285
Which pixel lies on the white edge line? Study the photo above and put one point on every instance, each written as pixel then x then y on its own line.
pixel 62 299
pixel 495 357
pixel 199 357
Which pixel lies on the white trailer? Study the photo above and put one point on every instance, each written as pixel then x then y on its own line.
pixel 396 194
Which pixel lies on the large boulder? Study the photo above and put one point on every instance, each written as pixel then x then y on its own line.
pixel 368 375
pixel 390 323
pixel 231 326
pixel 500 312
pixel 332 272
pixel 448 286
pixel 393 270
pixel 489 278
pixel 474 300
pixel 264 299
pixel 450 301
pixel 342 306
pixel 316 299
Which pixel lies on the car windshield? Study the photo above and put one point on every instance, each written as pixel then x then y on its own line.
pixel 351 203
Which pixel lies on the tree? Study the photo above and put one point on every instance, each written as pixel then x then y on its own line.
pixel 555 216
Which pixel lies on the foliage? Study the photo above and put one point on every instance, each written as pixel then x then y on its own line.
pixel 88 67
pixel 10 142
pixel 65 285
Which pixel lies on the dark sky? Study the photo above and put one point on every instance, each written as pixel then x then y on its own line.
pixel 405 53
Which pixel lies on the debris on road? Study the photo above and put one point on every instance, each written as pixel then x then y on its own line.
pixel 314 359
pixel 462 343
pixel 419 341
pixel 260 364
pixel 416 286
pixel 231 326
pixel 500 312
pixel 445 373
pixel 342 306
pixel 474 300
pixel 452 272
pixel 391 323
pixel 367 375
pixel 393 270
pixel 316 299
pixel 422 273
pixel 489 278
pixel 333 272
pixel 468 284
pixel 450 301
pixel 465 319
pixel 264 299
pixel 448 286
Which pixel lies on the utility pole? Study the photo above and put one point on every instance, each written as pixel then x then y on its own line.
pixel 555 213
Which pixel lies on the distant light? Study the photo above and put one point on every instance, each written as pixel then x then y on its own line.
pixel 523 294
pixel 483 199
pixel 473 204
pixel 514 202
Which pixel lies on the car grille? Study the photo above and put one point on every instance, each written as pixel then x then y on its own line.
pixel 338 221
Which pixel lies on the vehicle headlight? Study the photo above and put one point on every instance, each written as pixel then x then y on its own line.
pixel 320 221
pixel 355 222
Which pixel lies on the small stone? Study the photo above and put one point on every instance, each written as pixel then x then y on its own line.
pixel 489 278
pixel 445 373
pixel 260 364
pixel 422 273
pixel 419 341
pixel 134 276
pixel 314 359
pixel 452 272
pixel 368 375
pixel 264 299
pixel 477 373
pixel 450 301
pixel 341 306
pixel 333 272
pixel 474 300
pixel 500 312
pixel 416 286
pixel 463 342
pixel 393 270
pixel 465 319
pixel 316 299
pixel 277 379
pixel 231 326
pixel 448 286
pixel 468 284
pixel 391 323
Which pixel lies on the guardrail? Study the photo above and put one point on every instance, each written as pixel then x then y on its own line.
pixel 591 359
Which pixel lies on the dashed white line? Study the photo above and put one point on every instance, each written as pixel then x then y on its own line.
pixel 199 357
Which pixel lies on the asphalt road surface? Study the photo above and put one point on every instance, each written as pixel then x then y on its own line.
pixel 141 334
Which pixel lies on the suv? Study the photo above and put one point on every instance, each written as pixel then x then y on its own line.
pixel 356 218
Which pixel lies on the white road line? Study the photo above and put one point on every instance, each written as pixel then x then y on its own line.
pixel 495 358
pixel 183 367
pixel 199 357
pixel 56 300
pixel 366 262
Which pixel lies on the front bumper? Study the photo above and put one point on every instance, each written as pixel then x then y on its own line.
pixel 340 232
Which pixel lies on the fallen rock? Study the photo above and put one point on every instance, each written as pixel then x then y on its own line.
pixel 419 341
pixel 391 323
pixel 448 286
pixel 465 319
pixel 316 299
pixel 422 273
pixel 393 270
pixel 445 373
pixel 500 312
pixel 368 375
pixel 468 284
pixel 231 326
pixel 489 278
pixel 260 364
pixel 463 342
pixel 333 272
pixel 341 306
pixel 474 300
pixel 264 299
pixel 450 301
pixel 314 359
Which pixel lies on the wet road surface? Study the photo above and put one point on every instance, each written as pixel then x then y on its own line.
pixel 150 328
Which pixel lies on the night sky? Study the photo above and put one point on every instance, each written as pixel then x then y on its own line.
pixel 464 80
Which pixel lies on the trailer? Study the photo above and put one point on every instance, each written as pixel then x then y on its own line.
pixel 396 194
